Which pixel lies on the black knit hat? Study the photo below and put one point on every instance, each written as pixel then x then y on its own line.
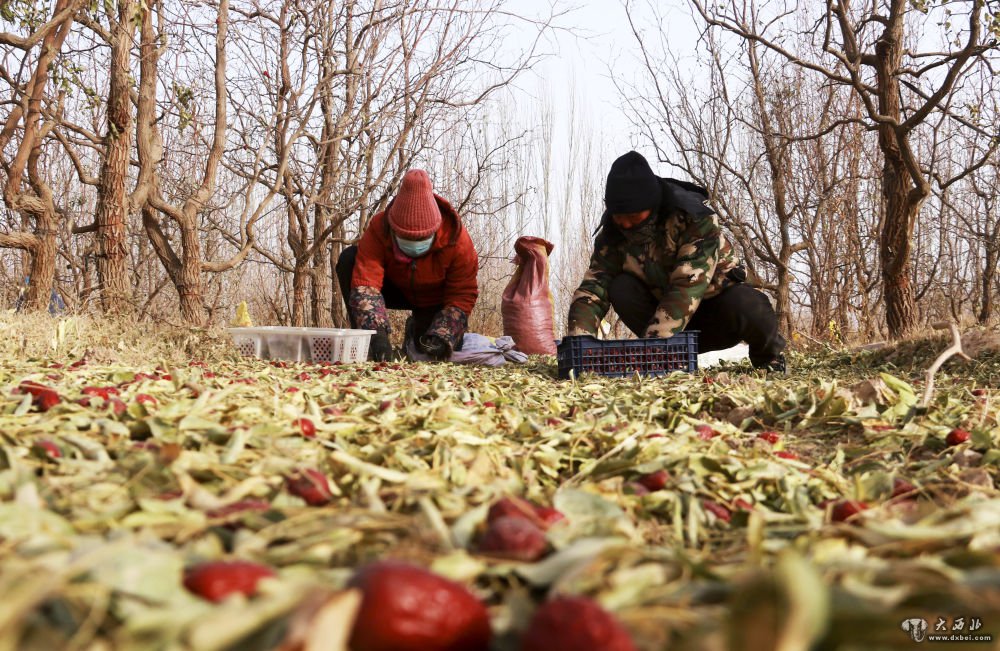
pixel 632 186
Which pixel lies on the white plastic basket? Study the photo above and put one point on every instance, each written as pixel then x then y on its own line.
pixel 339 345
pixel 303 344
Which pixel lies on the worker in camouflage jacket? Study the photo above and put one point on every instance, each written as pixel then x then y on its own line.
pixel 417 256
pixel 661 260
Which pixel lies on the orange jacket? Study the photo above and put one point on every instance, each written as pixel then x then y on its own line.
pixel 445 276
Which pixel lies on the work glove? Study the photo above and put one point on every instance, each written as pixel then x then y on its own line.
pixel 379 348
pixel 434 346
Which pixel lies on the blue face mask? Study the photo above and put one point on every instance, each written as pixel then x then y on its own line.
pixel 415 248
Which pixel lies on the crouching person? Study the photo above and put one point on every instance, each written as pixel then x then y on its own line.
pixel 416 256
pixel 661 260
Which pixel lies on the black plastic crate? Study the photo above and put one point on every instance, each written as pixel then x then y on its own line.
pixel 623 357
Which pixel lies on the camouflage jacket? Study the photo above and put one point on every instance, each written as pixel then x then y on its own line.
pixel 684 259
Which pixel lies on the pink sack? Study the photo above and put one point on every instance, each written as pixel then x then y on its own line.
pixel 527 302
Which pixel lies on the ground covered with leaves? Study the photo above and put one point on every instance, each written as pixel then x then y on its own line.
pixel 725 509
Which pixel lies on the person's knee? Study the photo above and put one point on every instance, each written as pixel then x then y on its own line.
pixel 625 289
pixel 633 301
pixel 345 269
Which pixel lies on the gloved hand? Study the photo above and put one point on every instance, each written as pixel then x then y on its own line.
pixel 379 348
pixel 434 346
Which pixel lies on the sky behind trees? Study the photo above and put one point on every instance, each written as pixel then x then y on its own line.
pixel 595 44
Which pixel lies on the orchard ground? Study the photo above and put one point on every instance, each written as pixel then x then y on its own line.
pixel 725 509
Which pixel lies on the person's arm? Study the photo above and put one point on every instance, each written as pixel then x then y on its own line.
pixel 366 302
pixel 461 289
pixel 590 300
pixel 697 257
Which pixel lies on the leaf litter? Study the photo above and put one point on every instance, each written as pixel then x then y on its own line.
pixel 103 508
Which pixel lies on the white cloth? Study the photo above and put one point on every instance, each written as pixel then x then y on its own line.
pixel 476 349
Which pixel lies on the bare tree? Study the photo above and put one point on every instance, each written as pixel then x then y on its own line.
pixel 731 135
pixel 32 197
pixel 865 49
pixel 115 150
pixel 984 188
pixel 183 260
pixel 113 204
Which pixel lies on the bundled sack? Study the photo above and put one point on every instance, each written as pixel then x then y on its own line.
pixel 527 301
pixel 476 349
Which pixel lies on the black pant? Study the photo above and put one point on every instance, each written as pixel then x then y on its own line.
pixel 394 299
pixel 739 313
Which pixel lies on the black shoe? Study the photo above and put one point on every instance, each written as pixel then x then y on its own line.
pixel 778 365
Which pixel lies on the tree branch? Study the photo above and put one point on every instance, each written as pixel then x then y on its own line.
pixel 19 240
pixel 954 349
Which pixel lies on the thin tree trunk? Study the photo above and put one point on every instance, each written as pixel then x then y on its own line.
pixel 783 299
pixel 322 309
pixel 776 150
pixel 334 129
pixel 989 274
pixel 88 288
pixel 300 290
pixel 321 287
pixel 338 306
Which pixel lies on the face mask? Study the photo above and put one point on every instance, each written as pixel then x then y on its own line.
pixel 414 248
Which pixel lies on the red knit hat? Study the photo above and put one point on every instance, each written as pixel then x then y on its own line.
pixel 414 213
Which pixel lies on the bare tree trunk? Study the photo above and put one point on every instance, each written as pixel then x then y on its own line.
pixel 321 285
pixel 338 309
pixel 184 270
pixel 328 306
pixel 36 202
pixel 902 198
pixel 300 290
pixel 894 250
pixel 188 280
pixel 87 288
pixel 989 277
pixel 41 266
pixel 820 314
pixel 774 132
pixel 43 262
pixel 112 203
pixel 783 301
